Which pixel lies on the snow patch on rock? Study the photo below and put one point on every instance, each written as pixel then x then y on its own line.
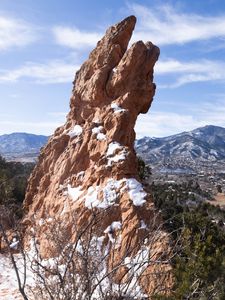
pixel 101 136
pixel 116 225
pixel 97 130
pixel 76 131
pixel 117 108
pixel 143 225
pixel 136 266
pixel 110 194
pixel 91 199
pixel 112 147
pixel 136 193
pixel 75 192
pixel 80 174
pixel 115 158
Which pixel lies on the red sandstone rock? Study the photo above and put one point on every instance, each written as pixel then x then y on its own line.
pixel 89 165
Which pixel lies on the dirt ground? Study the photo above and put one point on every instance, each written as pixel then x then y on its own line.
pixel 219 199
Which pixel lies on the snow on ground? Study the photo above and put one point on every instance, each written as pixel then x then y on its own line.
pixel 8 281
pixel 136 266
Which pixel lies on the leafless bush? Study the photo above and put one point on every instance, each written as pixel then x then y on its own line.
pixel 11 243
pixel 80 265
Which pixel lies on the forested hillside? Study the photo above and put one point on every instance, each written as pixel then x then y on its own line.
pixel 13 182
pixel 197 230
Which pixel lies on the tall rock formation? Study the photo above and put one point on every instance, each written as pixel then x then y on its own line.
pixel 89 166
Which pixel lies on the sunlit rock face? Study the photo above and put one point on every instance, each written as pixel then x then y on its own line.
pixel 89 167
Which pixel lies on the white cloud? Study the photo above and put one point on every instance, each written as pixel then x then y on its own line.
pixel 175 66
pixel 75 38
pixel 193 71
pixel 15 33
pixel 45 128
pixel 165 25
pixel 51 72
pixel 213 112
pixel 161 124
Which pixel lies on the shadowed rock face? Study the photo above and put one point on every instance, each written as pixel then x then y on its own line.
pixel 89 164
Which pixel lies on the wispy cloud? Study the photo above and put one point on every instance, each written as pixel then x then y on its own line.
pixel 15 33
pixel 213 112
pixel 75 38
pixel 50 72
pixel 175 66
pixel 46 128
pixel 165 25
pixel 193 71
pixel 161 123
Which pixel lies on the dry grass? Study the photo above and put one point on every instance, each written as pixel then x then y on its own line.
pixel 219 199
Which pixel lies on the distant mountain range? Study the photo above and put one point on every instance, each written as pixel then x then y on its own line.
pixel 189 150
pixel 20 146
pixel 192 150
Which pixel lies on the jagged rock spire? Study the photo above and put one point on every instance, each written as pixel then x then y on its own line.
pixel 89 164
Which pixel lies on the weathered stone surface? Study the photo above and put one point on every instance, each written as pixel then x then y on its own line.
pixel 89 164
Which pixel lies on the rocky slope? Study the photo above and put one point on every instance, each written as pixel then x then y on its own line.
pixel 202 146
pixel 88 169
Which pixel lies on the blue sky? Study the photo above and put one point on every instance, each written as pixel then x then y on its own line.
pixel 43 43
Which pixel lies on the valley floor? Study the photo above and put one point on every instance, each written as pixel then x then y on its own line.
pixel 8 281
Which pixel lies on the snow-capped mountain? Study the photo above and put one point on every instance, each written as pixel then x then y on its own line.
pixel 205 144
pixel 21 146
